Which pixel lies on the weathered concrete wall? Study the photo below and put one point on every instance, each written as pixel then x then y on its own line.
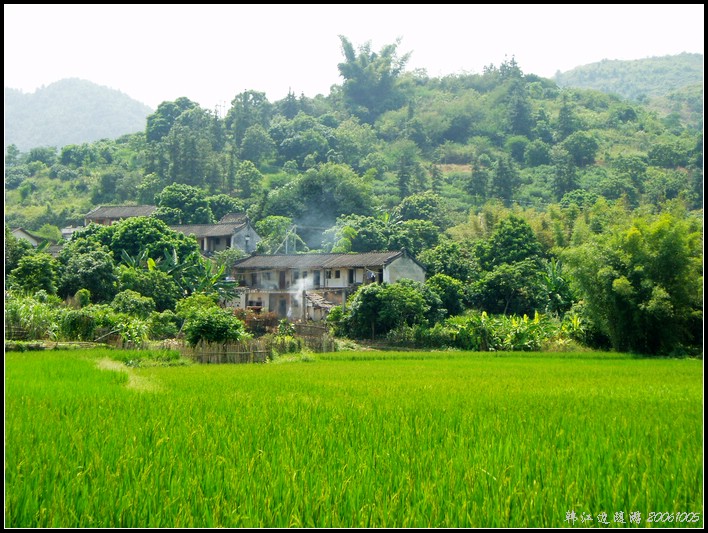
pixel 403 267
pixel 239 239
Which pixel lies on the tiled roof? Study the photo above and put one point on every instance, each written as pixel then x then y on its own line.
pixel 368 259
pixel 208 230
pixel 304 261
pixel 18 231
pixel 318 301
pixel 121 211
pixel 233 218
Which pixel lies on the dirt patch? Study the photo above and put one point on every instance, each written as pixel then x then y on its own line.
pixel 135 382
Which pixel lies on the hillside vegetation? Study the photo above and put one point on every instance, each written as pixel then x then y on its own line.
pixel 533 198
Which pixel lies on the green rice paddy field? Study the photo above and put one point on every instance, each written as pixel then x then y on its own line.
pixel 368 439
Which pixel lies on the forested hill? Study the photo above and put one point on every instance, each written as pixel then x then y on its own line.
pixel 371 153
pixel 517 195
pixel 70 111
pixel 639 79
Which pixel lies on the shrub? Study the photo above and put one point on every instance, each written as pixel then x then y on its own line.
pixel 78 325
pixel 213 325
pixel 133 303
pixel 163 325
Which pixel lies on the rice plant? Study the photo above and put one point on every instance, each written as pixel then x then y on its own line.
pixel 376 439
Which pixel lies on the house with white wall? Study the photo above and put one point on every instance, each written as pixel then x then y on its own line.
pixel 234 230
pixel 306 286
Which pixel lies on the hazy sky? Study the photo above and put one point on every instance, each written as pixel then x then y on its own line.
pixel 211 52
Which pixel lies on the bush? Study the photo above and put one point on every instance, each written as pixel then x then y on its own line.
pixel 213 325
pixel 258 323
pixel 133 303
pixel 190 305
pixel 78 325
pixel 163 325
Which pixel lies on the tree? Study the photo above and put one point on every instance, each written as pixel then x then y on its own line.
pixel 354 142
pixel 275 232
pixel 424 206
pixel 564 178
pixel 94 270
pixel 559 296
pixel 582 148
pixel 303 139
pixel 161 121
pixel 134 236
pixel 406 163
pixel 642 283
pixel 504 180
pixel 376 309
pixel 44 154
pixel 12 156
pixel 518 109
pixel 152 283
pixel 248 180
pixel 249 108
pixel 356 233
pixel 371 81
pixel 189 153
pixel 668 155
pixel 450 258
pixel 223 204
pixel 257 145
pixel 516 145
pixel 183 204
pixel 513 240
pixel 537 153
pixel 133 303
pixel 450 290
pixel 512 288
pixel 36 272
pixel 568 121
pixel 413 235
pixel 150 186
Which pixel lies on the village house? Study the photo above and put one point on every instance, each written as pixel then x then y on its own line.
pixel 110 214
pixel 234 230
pixel 237 232
pixel 307 286
pixel 48 246
pixel 22 233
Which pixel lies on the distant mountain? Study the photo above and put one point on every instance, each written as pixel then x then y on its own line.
pixel 70 111
pixel 638 80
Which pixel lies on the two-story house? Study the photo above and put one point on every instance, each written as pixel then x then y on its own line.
pixel 306 286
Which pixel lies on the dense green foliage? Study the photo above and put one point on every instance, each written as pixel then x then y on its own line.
pixel 353 439
pixel 500 180
pixel 70 111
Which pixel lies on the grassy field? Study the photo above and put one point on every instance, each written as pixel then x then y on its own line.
pixel 370 439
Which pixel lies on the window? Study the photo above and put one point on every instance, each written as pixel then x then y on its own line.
pixel 254 279
pixel 351 276
pixel 304 274
pixel 328 274
pixel 296 275
pixel 217 241
pixel 267 275
pixel 337 274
